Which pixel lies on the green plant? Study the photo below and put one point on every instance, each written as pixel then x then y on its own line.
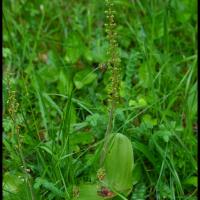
pixel 61 133
pixel 13 107
pixel 113 67
pixel 117 152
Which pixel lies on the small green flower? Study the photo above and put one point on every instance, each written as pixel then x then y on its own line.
pixel 101 174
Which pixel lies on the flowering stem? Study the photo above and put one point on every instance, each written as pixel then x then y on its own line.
pixel 114 67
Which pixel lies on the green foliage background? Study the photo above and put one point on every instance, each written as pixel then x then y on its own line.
pixel 51 56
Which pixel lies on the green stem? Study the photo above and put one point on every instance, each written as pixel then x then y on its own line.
pixel 107 134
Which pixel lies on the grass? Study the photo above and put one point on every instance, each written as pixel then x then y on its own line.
pixel 51 56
